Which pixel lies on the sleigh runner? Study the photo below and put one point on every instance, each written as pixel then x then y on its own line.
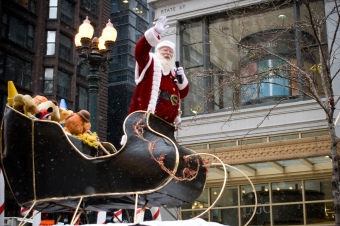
pixel 51 171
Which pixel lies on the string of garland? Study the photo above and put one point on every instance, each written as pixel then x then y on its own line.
pixel 90 139
pixel 188 174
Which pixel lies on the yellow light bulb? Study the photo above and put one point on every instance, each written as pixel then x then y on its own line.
pixel 109 32
pixel 101 44
pixel 85 29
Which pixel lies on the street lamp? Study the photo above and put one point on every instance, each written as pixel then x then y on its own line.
pixel 95 53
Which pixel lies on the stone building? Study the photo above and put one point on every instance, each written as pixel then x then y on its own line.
pixel 268 130
pixel 39 55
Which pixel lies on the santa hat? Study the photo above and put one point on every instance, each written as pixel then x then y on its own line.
pixel 167 44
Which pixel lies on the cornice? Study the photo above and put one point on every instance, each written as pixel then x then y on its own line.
pixel 272 151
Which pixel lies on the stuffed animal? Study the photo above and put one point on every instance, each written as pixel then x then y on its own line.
pixel 39 99
pixel 64 114
pixel 78 123
pixel 45 114
pixel 25 104
pixel 47 104
pixel 18 103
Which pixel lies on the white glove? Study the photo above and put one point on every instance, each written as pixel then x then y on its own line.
pixel 180 74
pixel 180 71
pixel 182 80
pixel 161 24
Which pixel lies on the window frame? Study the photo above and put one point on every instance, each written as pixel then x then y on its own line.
pixel 64 83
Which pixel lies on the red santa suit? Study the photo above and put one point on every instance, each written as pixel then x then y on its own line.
pixel 156 92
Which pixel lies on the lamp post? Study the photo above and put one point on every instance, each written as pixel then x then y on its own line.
pixel 95 53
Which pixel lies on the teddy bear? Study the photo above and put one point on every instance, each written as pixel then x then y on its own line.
pixel 64 114
pixel 25 104
pixel 78 123
pixel 53 104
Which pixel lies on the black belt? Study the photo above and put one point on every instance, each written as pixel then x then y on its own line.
pixel 167 96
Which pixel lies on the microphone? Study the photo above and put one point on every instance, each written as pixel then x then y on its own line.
pixel 179 78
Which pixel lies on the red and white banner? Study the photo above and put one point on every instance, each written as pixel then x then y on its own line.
pixel 101 217
pixel 36 218
pixel 117 216
pixel 139 215
pixel 24 211
pixel 2 198
pixel 156 213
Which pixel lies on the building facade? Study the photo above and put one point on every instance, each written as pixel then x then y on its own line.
pixel 269 132
pixel 37 53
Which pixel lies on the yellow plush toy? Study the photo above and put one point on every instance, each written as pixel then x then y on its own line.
pixel 18 103
pixel 25 104
pixel 64 114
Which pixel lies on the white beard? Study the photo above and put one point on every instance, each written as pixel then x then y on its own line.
pixel 168 65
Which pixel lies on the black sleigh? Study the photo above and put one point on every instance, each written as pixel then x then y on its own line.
pixel 50 171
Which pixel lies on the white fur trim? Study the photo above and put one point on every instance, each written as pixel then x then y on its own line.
pixel 178 120
pixel 156 82
pixel 151 37
pixel 139 77
pixel 167 44
pixel 184 83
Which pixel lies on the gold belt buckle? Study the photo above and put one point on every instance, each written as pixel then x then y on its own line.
pixel 174 99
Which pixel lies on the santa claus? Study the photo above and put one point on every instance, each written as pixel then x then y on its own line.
pixel 160 85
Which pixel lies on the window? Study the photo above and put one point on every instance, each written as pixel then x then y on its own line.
pixel 15 69
pixel 120 62
pixel 50 43
pixel 48 80
pixel 90 5
pixel 81 98
pixel 141 25
pixel 118 6
pixel 53 9
pixel 64 85
pixel 264 77
pixel 28 4
pixel 121 76
pixel 18 31
pixel 65 48
pixel 141 10
pixel 128 33
pixel 318 190
pixel 67 12
pixel 284 203
pixel 192 59
pixel 242 57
